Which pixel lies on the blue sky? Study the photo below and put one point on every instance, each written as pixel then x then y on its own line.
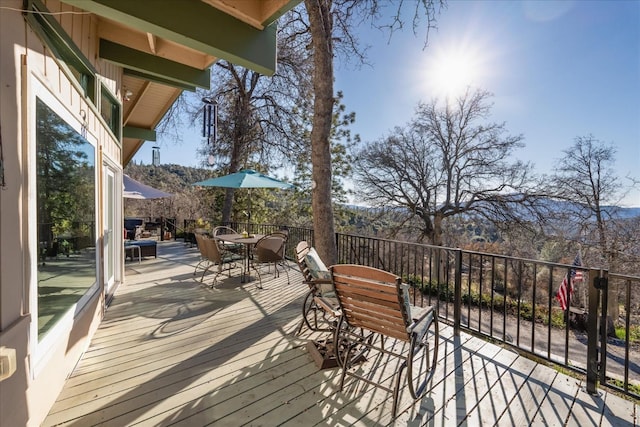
pixel 558 70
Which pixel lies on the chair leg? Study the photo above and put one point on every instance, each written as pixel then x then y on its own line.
pixel 300 326
pixel 220 270
pixel 286 270
pixel 205 272
pixel 310 316
pixel 346 367
pixel 284 267
pixel 215 278
pixel 198 266
pixel 203 265
pixel 259 285
pixel 396 390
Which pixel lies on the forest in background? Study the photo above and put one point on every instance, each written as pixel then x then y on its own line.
pixel 293 208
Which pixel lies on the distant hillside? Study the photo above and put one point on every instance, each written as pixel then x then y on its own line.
pixel 170 178
pixel 627 213
pixel 613 211
pixel 178 179
pixel 556 205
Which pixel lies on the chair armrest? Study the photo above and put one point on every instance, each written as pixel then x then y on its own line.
pixel 421 323
pixel 318 281
pixel 330 305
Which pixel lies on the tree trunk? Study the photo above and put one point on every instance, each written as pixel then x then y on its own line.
pixel 227 204
pixel 441 261
pixel 613 307
pixel 437 228
pixel 236 157
pixel 321 23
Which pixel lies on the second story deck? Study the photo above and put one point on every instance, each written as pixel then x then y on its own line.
pixel 172 351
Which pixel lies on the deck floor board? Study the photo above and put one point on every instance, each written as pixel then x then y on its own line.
pixel 172 351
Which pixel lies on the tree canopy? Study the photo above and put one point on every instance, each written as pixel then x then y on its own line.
pixel 449 160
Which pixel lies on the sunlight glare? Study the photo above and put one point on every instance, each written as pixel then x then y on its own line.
pixel 452 69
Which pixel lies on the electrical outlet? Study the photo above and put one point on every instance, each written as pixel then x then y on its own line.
pixel 7 362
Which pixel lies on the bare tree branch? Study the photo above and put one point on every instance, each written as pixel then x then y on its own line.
pixel 448 161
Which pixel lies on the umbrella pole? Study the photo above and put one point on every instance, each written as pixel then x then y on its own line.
pixel 249 213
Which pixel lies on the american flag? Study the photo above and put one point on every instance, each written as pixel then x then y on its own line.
pixel 567 282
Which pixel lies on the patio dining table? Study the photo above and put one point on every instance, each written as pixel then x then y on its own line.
pixel 248 241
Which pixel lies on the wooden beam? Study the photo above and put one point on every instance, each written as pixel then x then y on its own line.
pixel 164 48
pixel 157 79
pixel 194 24
pixel 258 13
pixel 161 68
pixel 138 133
pixel 135 104
pixel 152 43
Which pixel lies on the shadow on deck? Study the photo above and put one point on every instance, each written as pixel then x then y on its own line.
pixel 172 351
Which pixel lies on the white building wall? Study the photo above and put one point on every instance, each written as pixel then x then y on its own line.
pixel 28 394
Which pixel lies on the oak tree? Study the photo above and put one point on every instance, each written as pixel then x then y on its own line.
pixel 332 27
pixel 448 161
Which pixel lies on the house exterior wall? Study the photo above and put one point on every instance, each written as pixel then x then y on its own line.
pixel 28 394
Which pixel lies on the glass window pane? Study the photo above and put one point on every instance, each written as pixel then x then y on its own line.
pixel 66 216
pixel 63 47
pixel 110 111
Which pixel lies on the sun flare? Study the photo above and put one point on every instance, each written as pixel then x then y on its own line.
pixel 453 69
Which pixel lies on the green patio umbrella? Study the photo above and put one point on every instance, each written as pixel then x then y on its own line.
pixel 247 178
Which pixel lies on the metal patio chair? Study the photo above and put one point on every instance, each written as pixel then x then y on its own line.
pixel 224 260
pixel 204 262
pixel 219 232
pixel 270 250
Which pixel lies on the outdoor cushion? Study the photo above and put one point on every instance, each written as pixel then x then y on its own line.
pixel 143 243
pixel 316 267
pixel 148 248
pixel 318 270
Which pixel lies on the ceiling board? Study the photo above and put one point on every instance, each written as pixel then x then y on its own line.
pixel 194 33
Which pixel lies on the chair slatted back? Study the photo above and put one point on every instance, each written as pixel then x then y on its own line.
pixel 372 299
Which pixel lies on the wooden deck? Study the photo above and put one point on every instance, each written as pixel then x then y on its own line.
pixel 171 351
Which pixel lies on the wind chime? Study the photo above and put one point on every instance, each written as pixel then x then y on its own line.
pixel 210 126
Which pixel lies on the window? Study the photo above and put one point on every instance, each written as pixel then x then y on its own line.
pixel 110 111
pixel 66 216
pixel 62 47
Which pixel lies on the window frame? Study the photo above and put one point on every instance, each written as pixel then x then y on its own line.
pixel 43 347
pixel 82 74
pixel 115 124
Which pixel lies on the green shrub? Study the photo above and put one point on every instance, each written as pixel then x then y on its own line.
pixel 634 333
pixel 446 292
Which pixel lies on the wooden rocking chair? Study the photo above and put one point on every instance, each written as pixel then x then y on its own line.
pixel 320 307
pixel 375 307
